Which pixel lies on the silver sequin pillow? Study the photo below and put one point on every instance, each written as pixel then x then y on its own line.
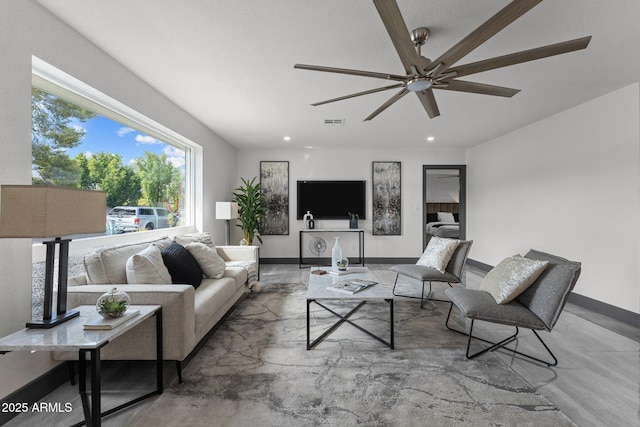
pixel 438 253
pixel 511 277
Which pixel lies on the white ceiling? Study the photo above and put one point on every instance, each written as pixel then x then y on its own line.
pixel 229 63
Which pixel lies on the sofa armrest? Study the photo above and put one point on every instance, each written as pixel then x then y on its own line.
pixel 239 253
pixel 178 317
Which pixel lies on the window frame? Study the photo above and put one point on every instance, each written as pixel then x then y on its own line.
pixel 56 82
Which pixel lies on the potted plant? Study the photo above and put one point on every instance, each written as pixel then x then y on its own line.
pixel 113 303
pixel 353 220
pixel 251 209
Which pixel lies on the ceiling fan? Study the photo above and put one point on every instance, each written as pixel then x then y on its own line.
pixel 424 75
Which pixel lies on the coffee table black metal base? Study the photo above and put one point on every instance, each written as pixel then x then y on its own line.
pixel 345 318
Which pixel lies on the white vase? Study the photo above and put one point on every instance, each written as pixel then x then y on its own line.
pixel 336 255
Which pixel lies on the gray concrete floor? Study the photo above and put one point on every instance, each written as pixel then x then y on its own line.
pixel 596 382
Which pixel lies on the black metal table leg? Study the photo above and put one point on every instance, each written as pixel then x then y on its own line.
pixel 345 318
pixel 82 384
pixel 309 301
pixel 159 353
pixel 96 419
pixel 391 321
pixel 92 412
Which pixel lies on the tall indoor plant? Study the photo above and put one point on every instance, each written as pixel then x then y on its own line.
pixel 251 209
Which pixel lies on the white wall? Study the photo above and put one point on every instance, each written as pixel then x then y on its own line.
pixel 349 164
pixel 26 29
pixel 569 185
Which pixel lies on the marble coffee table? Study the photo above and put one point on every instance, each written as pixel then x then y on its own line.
pixel 319 293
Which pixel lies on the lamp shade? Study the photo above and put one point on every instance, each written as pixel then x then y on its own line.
pixel 226 210
pixel 46 211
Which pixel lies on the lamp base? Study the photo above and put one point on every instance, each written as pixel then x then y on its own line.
pixel 55 320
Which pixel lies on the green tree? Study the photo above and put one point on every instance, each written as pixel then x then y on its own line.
pixel 105 171
pixel 52 136
pixel 159 179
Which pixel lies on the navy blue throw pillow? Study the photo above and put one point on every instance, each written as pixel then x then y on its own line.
pixel 182 266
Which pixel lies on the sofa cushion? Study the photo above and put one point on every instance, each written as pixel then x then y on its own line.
pixel 480 305
pixel 210 296
pixel 239 274
pixel 211 263
pixel 147 267
pixel 205 238
pixel 107 265
pixel 182 266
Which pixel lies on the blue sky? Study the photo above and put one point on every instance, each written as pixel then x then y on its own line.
pixel 103 134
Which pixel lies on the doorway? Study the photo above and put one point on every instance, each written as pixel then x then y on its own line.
pixel 443 202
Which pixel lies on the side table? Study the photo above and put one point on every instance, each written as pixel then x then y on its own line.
pixel 71 336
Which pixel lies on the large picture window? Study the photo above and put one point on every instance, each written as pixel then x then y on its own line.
pixel 80 142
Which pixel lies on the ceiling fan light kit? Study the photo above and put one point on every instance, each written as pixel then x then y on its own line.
pixel 423 75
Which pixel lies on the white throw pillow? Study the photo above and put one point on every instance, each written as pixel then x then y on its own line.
pixel 147 267
pixel 511 277
pixel 438 253
pixel 210 262
pixel 205 238
pixel 446 217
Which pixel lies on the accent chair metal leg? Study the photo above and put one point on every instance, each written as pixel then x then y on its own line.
pixel 421 297
pixel 495 346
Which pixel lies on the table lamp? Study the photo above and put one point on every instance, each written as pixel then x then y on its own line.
pixel 227 211
pixel 37 211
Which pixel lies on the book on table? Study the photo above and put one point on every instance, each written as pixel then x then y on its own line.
pixel 340 272
pixel 105 324
pixel 352 286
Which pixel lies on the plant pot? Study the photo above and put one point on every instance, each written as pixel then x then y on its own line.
pixel 113 303
pixel 353 223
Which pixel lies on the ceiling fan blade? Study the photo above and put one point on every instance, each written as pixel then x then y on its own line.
pixel 429 102
pixel 520 57
pixel 386 105
pixel 481 88
pixel 397 29
pixel 353 95
pixel 384 76
pixel 484 32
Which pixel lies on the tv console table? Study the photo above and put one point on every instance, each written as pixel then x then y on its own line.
pixel 360 232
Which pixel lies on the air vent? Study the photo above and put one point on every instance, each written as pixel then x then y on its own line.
pixel 333 122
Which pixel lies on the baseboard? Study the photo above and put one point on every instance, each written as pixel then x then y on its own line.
pixel 35 390
pixel 480 265
pixel 617 313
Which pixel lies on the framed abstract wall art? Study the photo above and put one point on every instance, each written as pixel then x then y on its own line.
pixel 274 181
pixel 386 198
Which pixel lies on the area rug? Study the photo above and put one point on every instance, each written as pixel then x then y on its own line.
pixel 255 370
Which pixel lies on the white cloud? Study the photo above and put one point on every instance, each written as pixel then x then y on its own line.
pixel 88 154
pixel 146 139
pixel 124 131
pixel 177 162
pixel 175 156
pixel 172 151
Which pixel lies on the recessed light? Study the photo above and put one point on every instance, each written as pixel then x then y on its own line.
pixel 287 138
pixel 430 139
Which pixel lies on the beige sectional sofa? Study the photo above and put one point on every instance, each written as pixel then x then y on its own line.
pixel 188 313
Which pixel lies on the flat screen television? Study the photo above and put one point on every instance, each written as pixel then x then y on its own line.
pixel 332 199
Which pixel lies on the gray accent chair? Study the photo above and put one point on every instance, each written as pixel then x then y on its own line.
pixel 452 274
pixel 537 308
